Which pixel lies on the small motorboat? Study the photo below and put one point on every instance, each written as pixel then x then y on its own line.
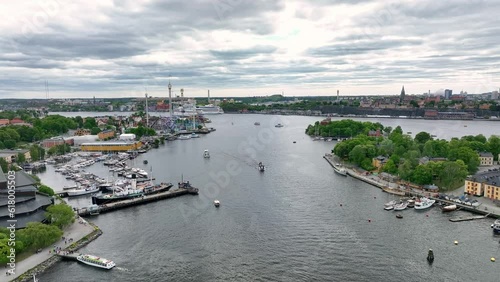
pixel 257 123
pixel 206 154
pixel 145 162
pixel 216 203
pixel 294 142
pixel 279 125
pixel 399 215
pixel 449 208
pixel 262 168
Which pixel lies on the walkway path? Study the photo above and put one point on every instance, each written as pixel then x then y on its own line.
pixel 76 231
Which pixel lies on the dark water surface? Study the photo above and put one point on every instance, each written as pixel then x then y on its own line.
pixel 297 221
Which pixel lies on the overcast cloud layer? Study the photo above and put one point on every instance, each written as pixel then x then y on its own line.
pixel 122 48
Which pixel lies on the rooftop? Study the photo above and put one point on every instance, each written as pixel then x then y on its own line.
pixel 486 154
pixel 491 177
pixel 13 151
pixel 108 143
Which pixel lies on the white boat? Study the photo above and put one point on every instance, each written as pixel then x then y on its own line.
pixel 210 110
pixel 449 208
pixel 216 203
pixel 72 187
pixel 496 226
pixel 82 191
pixel 184 137
pixel 401 206
pixel 424 203
pixel 261 167
pixel 340 170
pixel 194 135
pixel 390 204
pixel 96 261
pixel 206 154
pixel 389 208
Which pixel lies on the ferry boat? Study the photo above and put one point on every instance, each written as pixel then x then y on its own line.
pixel 82 191
pixel 496 226
pixel 340 170
pixel 424 203
pixel 96 261
pixel 206 154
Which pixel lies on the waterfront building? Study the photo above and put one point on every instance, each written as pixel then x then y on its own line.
pixel 10 156
pixel 106 134
pixel 379 162
pixel 486 158
pixel 447 94
pixel 30 206
pixel 484 184
pixel 110 146
pixel 54 141
pixel 127 136
pixel 82 131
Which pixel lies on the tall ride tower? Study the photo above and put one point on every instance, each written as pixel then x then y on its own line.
pixel 170 110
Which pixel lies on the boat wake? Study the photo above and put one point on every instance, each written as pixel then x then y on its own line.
pixel 122 269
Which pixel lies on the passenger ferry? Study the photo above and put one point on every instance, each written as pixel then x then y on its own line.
pixel 96 261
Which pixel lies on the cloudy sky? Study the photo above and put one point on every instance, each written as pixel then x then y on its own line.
pixel 118 48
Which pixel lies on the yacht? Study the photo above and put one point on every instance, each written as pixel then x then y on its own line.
pixel 206 154
pixel 82 191
pixel 194 135
pixel 96 261
pixel 184 137
pixel 424 203
pixel 210 110
pixel 401 206
pixel 340 170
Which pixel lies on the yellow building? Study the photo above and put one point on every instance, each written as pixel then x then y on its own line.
pixel 492 191
pixel 484 184
pixel 474 188
pixel 379 162
pixel 10 156
pixel 110 146
pixel 106 134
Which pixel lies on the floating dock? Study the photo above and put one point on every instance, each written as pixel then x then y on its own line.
pixel 467 218
pixel 137 201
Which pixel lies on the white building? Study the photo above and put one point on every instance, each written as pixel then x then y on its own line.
pixel 127 136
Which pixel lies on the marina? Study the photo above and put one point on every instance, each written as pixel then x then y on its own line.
pixel 271 214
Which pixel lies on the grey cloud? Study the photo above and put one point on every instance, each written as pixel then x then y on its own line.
pixel 242 53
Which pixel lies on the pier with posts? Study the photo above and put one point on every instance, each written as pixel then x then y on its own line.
pixel 137 201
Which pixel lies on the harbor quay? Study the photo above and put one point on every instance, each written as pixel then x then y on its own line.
pixel 95 210
pixel 486 209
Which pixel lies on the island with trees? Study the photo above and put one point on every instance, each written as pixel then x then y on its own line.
pixel 421 160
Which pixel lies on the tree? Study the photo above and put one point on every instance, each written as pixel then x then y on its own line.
pixel 89 123
pixel 20 158
pixel 390 167
pixel 494 146
pixel 46 189
pixel 4 165
pixel 388 129
pixel 60 215
pixel 453 173
pixel 405 170
pixel 422 175
pixel 422 137
pixel 358 154
pixel 38 235
pixel 95 130
pixel 467 155
pixel 9 144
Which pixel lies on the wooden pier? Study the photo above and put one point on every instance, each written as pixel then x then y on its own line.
pixel 137 201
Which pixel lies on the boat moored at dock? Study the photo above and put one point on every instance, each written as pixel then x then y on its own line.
pixel 82 191
pixel 339 169
pixel 496 226
pixel 96 261
pixel 424 203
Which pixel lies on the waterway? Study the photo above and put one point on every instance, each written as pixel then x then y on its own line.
pixel 297 221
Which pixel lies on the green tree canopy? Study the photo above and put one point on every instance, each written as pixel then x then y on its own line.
pixel 60 215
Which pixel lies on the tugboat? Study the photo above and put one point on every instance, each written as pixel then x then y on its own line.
pixel 262 168
pixel 186 185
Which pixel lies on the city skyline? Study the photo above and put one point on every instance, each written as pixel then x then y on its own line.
pixel 247 48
